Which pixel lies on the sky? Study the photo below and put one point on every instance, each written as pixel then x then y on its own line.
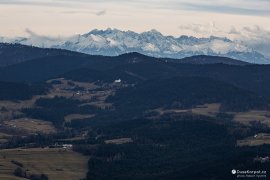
pixel 170 17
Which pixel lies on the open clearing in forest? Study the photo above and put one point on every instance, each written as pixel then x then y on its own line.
pixel 57 163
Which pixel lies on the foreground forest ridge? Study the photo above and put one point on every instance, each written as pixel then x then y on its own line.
pixel 66 115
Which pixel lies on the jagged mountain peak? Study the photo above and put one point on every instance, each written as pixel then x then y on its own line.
pixel 153 32
pixel 105 31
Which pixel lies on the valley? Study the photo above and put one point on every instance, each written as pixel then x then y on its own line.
pixel 134 90
pixel 138 116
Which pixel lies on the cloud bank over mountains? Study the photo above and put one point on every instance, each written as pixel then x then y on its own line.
pixel 254 37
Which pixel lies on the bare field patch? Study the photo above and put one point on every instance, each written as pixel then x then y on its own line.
pixel 66 83
pixel 14 107
pixel 256 140
pixel 87 92
pixel 32 125
pixel 166 111
pixel 56 163
pixel 119 141
pixel 4 138
pixel 71 117
pixel 251 116
pixel 10 177
pixel 207 109
pixel 4 135
pixel 99 104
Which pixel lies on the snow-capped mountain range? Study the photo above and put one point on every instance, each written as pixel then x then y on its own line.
pixel 113 42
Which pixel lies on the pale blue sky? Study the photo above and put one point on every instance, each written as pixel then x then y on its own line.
pixel 171 17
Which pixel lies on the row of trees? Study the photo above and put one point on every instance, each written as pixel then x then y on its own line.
pixel 19 172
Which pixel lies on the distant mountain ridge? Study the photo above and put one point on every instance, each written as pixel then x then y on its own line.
pixel 114 42
pixel 11 54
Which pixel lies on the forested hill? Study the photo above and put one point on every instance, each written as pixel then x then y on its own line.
pixel 203 59
pixel 136 67
pixel 16 53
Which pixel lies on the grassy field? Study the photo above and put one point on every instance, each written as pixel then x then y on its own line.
pixel 56 163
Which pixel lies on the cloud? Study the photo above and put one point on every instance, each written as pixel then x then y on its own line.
pixel 197 28
pixel 226 7
pixel 254 37
pixel 234 10
pixel 23 2
pixel 30 32
pixel 257 38
pixel 34 35
pixel 101 13
pixel 233 30
pixel 243 7
pixel 201 29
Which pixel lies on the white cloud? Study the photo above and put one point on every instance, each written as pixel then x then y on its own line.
pixel 247 7
pixel 208 29
pixel 257 38
pixel 101 13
